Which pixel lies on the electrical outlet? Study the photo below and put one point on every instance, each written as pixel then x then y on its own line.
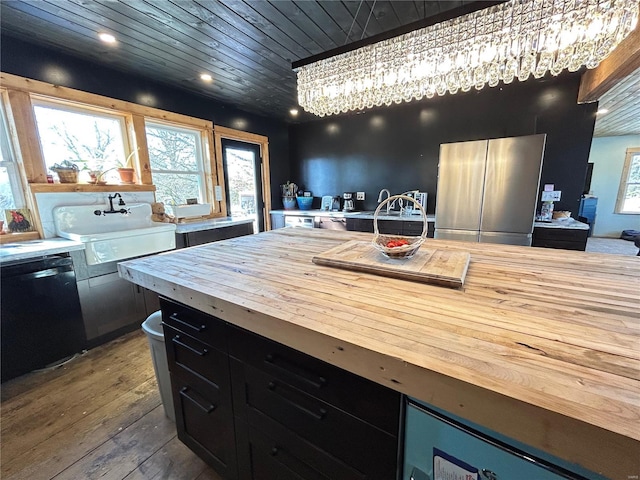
pixel 360 196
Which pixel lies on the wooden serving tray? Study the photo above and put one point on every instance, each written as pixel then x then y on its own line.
pixel 439 267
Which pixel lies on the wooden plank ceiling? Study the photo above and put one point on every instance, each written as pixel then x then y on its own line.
pixel 247 46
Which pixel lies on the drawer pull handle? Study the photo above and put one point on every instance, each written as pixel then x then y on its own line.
pixel 206 409
pixel 274 451
pixel 319 415
pixel 177 319
pixel 202 353
pixel 284 365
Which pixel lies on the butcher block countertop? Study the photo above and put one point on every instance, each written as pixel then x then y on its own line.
pixel 541 345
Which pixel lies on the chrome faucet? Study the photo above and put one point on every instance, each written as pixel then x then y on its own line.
pixel 388 195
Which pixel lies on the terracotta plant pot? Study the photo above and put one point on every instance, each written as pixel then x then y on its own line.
pixel 126 175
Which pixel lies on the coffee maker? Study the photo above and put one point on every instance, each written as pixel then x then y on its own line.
pixel 348 203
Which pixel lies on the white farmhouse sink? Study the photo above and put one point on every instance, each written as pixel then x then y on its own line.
pixel 114 236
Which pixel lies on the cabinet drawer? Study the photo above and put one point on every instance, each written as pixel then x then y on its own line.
pixel 561 244
pixel 216 234
pixel 204 421
pixel 201 326
pixel 565 234
pixel 360 225
pixel 187 353
pixel 282 455
pixel 333 385
pixel 366 448
pixel 390 227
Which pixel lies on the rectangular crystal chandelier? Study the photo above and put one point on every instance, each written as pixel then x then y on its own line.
pixel 516 39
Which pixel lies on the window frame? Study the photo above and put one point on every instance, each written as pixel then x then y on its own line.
pixel 624 182
pixel 84 109
pixel 204 162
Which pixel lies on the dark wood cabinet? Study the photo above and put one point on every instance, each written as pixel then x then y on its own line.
pixel 200 237
pixel 359 224
pixel 201 385
pixel 283 413
pixel 275 453
pixel 390 227
pixel 566 238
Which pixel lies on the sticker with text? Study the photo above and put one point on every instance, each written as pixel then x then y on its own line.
pixel 448 467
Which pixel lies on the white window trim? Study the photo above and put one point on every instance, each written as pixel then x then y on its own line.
pixel 203 159
pixel 624 182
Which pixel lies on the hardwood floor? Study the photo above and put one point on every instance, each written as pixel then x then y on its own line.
pixel 98 416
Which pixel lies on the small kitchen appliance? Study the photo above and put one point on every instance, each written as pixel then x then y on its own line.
pixel 348 204
pixel 326 203
pixel 421 198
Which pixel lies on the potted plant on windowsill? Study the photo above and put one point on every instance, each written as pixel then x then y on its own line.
pixel 126 170
pixel 67 171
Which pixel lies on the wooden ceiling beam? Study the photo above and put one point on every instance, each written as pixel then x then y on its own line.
pixel 623 61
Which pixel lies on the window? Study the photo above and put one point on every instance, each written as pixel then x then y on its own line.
pixel 176 160
pixel 90 138
pixel 10 190
pixel 176 156
pixel 629 193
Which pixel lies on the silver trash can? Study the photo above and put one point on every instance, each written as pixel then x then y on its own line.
pixel 152 326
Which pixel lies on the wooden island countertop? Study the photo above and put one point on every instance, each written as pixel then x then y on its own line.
pixel 540 345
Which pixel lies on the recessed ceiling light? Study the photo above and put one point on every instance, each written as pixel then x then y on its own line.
pixel 107 38
pixel 206 77
pixel 602 111
pixel 294 112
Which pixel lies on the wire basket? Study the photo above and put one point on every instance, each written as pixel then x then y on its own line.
pixel 67 175
pixel 409 245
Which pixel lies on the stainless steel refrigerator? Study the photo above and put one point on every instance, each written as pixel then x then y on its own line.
pixel 488 189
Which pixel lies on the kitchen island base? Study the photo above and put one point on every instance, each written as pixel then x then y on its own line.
pixel 256 409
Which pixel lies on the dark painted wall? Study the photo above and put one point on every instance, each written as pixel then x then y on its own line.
pixel 31 61
pixel 397 147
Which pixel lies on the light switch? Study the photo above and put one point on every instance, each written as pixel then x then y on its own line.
pixel 360 196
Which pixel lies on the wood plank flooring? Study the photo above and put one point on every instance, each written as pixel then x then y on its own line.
pixel 98 416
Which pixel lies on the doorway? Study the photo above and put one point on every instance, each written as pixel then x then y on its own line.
pixel 243 181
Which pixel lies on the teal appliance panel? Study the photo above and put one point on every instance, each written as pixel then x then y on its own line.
pixel 441 448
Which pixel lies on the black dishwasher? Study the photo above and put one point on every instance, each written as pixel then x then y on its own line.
pixel 41 321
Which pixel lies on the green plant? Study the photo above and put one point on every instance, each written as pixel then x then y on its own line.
pixel 64 165
pixel 128 163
